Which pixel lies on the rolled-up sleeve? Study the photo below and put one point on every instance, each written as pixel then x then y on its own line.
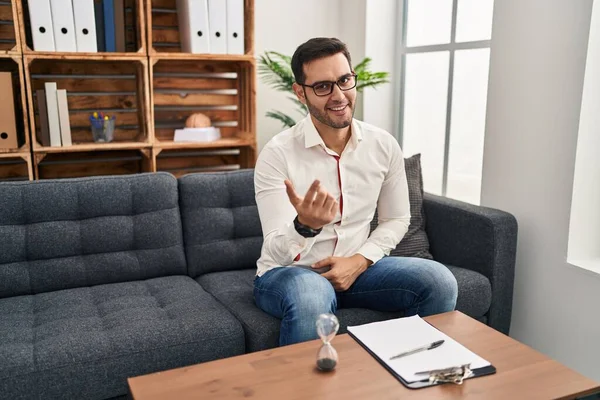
pixel 281 241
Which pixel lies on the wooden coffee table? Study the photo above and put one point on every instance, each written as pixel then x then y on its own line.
pixel 289 373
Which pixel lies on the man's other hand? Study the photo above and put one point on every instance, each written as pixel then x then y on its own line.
pixel 344 270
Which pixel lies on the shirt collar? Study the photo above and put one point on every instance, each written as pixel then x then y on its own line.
pixel 312 137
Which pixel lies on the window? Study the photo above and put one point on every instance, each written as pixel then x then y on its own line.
pixel 445 51
pixel 584 229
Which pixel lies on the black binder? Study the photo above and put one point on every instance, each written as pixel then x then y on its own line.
pixel 424 383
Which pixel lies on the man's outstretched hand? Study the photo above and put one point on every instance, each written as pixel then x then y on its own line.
pixel 344 270
pixel 317 208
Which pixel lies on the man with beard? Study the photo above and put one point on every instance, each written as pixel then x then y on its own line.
pixel 318 185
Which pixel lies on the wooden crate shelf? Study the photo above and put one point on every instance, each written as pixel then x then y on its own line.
pixel 163 30
pixel 93 147
pixel 206 57
pixel 16 167
pixel 110 162
pixel 10 42
pixel 223 90
pixel 184 161
pixel 151 89
pixel 221 143
pixel 135 30
pixel 116 87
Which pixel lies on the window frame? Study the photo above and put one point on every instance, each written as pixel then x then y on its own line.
pixel 451 47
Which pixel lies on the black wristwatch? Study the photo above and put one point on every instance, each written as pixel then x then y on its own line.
pixel 305 231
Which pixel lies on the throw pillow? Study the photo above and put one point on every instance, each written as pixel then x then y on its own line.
pixel 415 243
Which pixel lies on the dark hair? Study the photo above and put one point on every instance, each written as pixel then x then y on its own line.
pixel 315 49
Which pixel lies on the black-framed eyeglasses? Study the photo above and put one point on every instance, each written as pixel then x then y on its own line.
pixel 325 88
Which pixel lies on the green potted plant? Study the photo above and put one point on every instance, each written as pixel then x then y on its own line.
pixel 275 69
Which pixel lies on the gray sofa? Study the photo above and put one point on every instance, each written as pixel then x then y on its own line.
pixel 111 277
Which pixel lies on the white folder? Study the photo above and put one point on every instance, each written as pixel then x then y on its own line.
pixel 217 17
pixel 235 26
pixel 53 118
pixel 63 116
pixel 199 27
pixel 183 18
pixel 85 26
pixel 63 24
pixel 193 26
pixel 41 25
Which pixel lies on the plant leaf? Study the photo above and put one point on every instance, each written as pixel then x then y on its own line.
pixel 276 71
pixel 285 119
pixel 374 83
pixel 362 66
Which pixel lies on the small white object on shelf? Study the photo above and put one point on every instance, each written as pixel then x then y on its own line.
pixel 209 134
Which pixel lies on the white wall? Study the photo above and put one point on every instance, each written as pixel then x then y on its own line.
pixel 537 69
pixel 352 32
pixel 584 240
pixel 381 105
pixel 282 25
pixel 352 27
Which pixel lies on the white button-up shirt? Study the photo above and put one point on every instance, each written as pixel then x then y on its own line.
pixel 369 174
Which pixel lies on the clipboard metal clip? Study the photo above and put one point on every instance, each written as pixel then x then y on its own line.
pixel 455 374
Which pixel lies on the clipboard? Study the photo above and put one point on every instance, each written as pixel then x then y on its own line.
pixel 434 377
pixel 425 382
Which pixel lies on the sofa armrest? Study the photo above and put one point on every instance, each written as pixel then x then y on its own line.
pixel 480 239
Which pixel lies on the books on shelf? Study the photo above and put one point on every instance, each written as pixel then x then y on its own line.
pixel 42 31
pixel 109 26
pixel 193 26
pixel 119 14
pixel 53 112
pixel 85 26
pixel 78 25
pixel 43 135
pixel 63 117
pixel 211 26
pixel 63 25
pixel 205 26
pixel 235 26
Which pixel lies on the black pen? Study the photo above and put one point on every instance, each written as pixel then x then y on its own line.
pixel 418 349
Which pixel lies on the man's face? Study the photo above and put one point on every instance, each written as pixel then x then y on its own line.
pixel 336 109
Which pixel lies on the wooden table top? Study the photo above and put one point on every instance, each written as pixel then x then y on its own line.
pixel 289 372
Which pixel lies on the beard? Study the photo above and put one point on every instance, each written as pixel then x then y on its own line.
pixel 323 117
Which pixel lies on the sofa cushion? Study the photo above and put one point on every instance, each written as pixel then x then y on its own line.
pixel 235 289
pixel 83 343
pixel 415 243
pixel 474 292
pixel 221 227
pixel 61 234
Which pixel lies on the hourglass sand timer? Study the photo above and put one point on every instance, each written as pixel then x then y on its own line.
pixel 327 327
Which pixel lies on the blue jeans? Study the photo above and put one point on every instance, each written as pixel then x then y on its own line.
pixel 297 296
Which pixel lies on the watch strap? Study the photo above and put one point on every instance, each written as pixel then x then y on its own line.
pixel 305 231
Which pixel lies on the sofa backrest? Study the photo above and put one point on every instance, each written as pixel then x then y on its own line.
pixel 60 234
pixel 221 226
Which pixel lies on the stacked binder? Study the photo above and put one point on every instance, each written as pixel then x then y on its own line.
pixel 55 127
pixel 211 26
pixel 77 25
pixel 8 121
